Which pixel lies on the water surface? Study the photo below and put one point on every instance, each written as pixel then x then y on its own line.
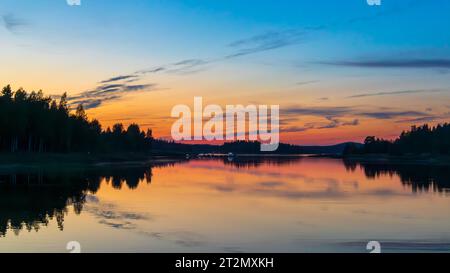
pixel 214 205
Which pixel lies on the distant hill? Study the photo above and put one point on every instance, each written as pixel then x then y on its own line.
pixel 247 147
pixel 332 149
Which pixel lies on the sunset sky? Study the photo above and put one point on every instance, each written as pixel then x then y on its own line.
pixel 340 70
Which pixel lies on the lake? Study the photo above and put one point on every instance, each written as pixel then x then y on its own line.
pixel 246 204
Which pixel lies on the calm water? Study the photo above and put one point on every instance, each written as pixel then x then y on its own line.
pixel 248 205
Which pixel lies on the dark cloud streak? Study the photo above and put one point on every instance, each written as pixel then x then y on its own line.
pixel 119 78
pixel 400 92
pixel 266 41
pixel 339 116
pixel 103 93
pixel 392 63
pixel 392 114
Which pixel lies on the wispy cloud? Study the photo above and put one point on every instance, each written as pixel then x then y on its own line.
pixel 255 44
pixel 331 124
pixel 294 129
pixel 12 23
pixel 307 82
pixel 181 67
pixel 317 111
pixel 119 78
pixel 393 63
pixel 334 123
pixel 392 93
pixel 266 41
pixel 392 114
pixel 116 87
pixel 107 92
pixel 188 66
pixel 417 120
pixel 342 111
pixel 344 116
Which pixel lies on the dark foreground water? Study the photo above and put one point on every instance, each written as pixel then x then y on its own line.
pixel 214 205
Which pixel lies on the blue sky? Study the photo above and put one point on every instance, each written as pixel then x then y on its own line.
pixel 311 53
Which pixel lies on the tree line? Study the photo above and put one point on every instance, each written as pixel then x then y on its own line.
pixel 35 123
pixel 419 140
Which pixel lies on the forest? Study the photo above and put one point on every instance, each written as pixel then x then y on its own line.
pixel 419 140
pixel 35 123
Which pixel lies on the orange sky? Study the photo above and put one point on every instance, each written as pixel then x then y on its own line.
pixel 335 81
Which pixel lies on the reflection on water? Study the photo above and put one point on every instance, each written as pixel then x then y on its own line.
pixel 31 198
pixel 248 204
pixel 418 177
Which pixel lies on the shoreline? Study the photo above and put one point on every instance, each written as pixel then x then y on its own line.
pixel 137 159
pixel 398 160
pixel 83 160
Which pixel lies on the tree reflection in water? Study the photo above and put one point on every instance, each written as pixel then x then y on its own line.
pixel 421 178
pixel 30 199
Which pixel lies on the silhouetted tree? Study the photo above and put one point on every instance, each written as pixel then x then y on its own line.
pixel 419 140
pixel 36 123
